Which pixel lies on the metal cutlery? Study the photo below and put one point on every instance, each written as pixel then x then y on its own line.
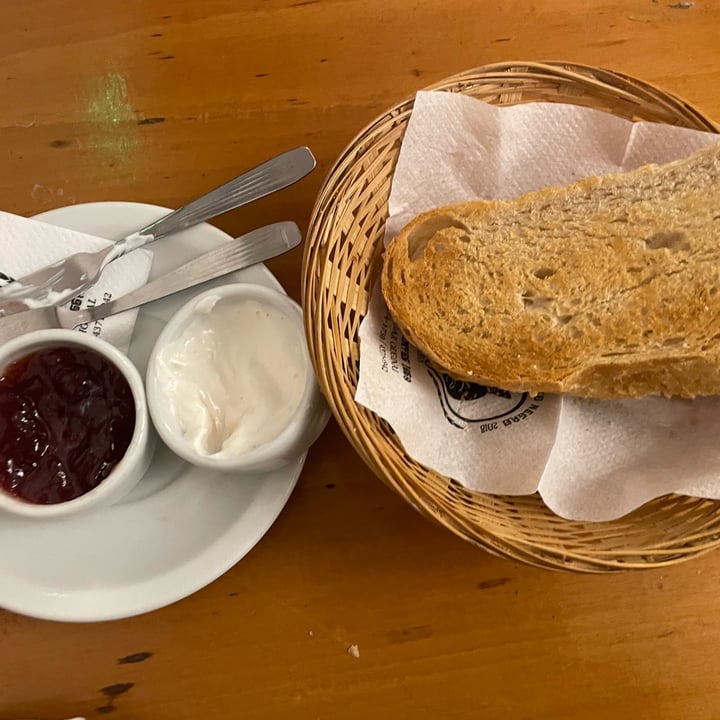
pixel 246 250
pixel 60 281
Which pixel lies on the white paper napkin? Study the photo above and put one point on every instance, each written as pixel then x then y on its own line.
pixel 590 460
pixel 27 245
pixel 441 426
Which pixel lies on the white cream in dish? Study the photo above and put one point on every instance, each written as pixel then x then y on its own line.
pixel 235 375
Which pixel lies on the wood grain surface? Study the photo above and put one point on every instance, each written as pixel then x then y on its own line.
pixel 159 100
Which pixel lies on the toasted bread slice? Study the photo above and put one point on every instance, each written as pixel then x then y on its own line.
pixel 609 287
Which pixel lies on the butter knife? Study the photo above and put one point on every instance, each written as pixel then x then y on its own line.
pixel 57 283
pixel 246 250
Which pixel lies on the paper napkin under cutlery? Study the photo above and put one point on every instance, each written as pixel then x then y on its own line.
pixel 27 245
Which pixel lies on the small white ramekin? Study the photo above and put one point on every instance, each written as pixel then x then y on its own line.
pixel 127 473
pixel 303 427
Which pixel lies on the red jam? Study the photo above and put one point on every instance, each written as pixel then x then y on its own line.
pixel 67 416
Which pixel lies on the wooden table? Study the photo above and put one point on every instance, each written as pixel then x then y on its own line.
pixel 157 101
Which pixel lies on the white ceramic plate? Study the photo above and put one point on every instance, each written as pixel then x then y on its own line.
pixel 182 527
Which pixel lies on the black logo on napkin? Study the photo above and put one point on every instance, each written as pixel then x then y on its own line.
pixel 464 402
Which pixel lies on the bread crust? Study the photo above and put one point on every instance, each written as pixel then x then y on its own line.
pixel 609 287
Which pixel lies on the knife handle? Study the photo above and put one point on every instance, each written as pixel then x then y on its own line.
pixel 246 250
pixel 274 174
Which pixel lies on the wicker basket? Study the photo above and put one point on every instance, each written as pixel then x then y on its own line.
pixel 340 267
